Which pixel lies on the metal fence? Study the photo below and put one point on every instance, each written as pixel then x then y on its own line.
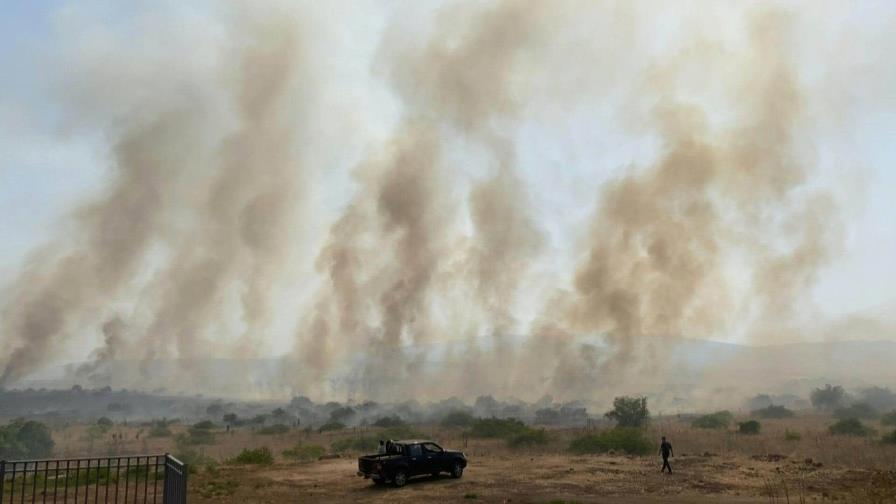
pixel 128 479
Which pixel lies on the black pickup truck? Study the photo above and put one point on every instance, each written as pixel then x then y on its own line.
pixel 409 458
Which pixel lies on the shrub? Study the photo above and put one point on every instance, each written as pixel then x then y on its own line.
pixel 105 423
pixel 790 435
pixel 196 436
pixel 388 421
pixel 889 418
pixel 749 427
pixel 717 420
pixel 257 456
pixel 828 397
pixel 194 459
pixel 158 430
pixel 401 432
pixel 22 440
pixel 629 411
pixel 773 412
pixel 364 444
pixel 850 427
pixel 205 425
pixel 497 428
pixel 273 430
pixel 331 426
pixel 889 438
pixel 342 414
pixel 532 437
pixel 457 419
pixel 304 453
pixel 625 439
pixel 857 410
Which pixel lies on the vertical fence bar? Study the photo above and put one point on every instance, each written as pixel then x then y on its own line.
pixel 117 476
pixel 55 481
pixel 77 477
pixel 87 482
pixel 127 469
pixel 155 480
pixel 65 491
pixel 146 481
pixel 2 478
pixel 46 478
pixel 34 484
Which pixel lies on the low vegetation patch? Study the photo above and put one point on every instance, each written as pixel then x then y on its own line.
pixel 25 439
pixel 857 410
pixel 196 436
pixel 363 444
pixel 790 435
pixel 850 427
pixel 503 428
pixel 773 412
pixel 257 456
pixel 389 421
pixel 216 489
pixel 331 426
pixel 750 427
pixel 528 439
pixel 304 453
pixel 629 412
pixel 889 438
pixel 273 430
pixel 717 420
pixel 458 419
pixel 205 425
pixel 889 418
pixel 621 439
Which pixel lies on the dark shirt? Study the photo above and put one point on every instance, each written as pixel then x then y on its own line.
pixel 666 448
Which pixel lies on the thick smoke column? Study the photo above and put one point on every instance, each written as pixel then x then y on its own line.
pixel 205 208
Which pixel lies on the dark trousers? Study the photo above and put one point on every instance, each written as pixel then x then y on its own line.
pixel 666 465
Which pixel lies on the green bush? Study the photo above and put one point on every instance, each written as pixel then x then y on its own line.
pixel 773 412
pixel 749 427
pixel 401 432
pixel 272 430
pixel 257 456
pixel 458 419
pixel 331 426
pixel 105 423
pixel 25 440
pixel 889 418
pixel 889 438
pixel 790 435
pixel 629 411
pixel 364 444
pixel 717 420
pixel 504 428
pixel 194 459
pixel 205 425
pixel 857 410
pixel 388 421
pixel 304 453
pixel 196 436
pixel 532 437
pixel 850 427
pixel 625 439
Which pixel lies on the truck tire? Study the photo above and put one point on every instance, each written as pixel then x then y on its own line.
pixel 457 470
pixel 400 478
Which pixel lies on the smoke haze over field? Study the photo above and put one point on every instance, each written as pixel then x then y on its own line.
pixel 417 233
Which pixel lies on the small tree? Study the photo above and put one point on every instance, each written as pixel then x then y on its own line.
pixel 828 398
pixel 749 427
pixel 629 411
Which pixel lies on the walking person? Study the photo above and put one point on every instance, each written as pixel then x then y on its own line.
pixel 666 452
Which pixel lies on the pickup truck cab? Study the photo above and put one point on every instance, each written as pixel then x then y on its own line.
pixel 405 459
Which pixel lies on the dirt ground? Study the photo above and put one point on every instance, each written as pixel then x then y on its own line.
pixel 556 478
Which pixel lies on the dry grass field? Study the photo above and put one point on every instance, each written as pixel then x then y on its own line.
pixel 710 466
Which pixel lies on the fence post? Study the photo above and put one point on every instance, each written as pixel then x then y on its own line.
pixel 2 477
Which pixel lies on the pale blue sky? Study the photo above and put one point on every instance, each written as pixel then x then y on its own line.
pixel 50 161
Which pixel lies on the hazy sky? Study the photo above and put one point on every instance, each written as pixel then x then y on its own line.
pixel 51 159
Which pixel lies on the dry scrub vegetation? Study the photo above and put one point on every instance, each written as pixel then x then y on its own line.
pixel 792 459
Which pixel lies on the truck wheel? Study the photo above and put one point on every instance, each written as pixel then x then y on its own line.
pixel 457 470
pixel 400 478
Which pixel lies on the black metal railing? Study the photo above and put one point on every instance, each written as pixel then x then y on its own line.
pixel 135 478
